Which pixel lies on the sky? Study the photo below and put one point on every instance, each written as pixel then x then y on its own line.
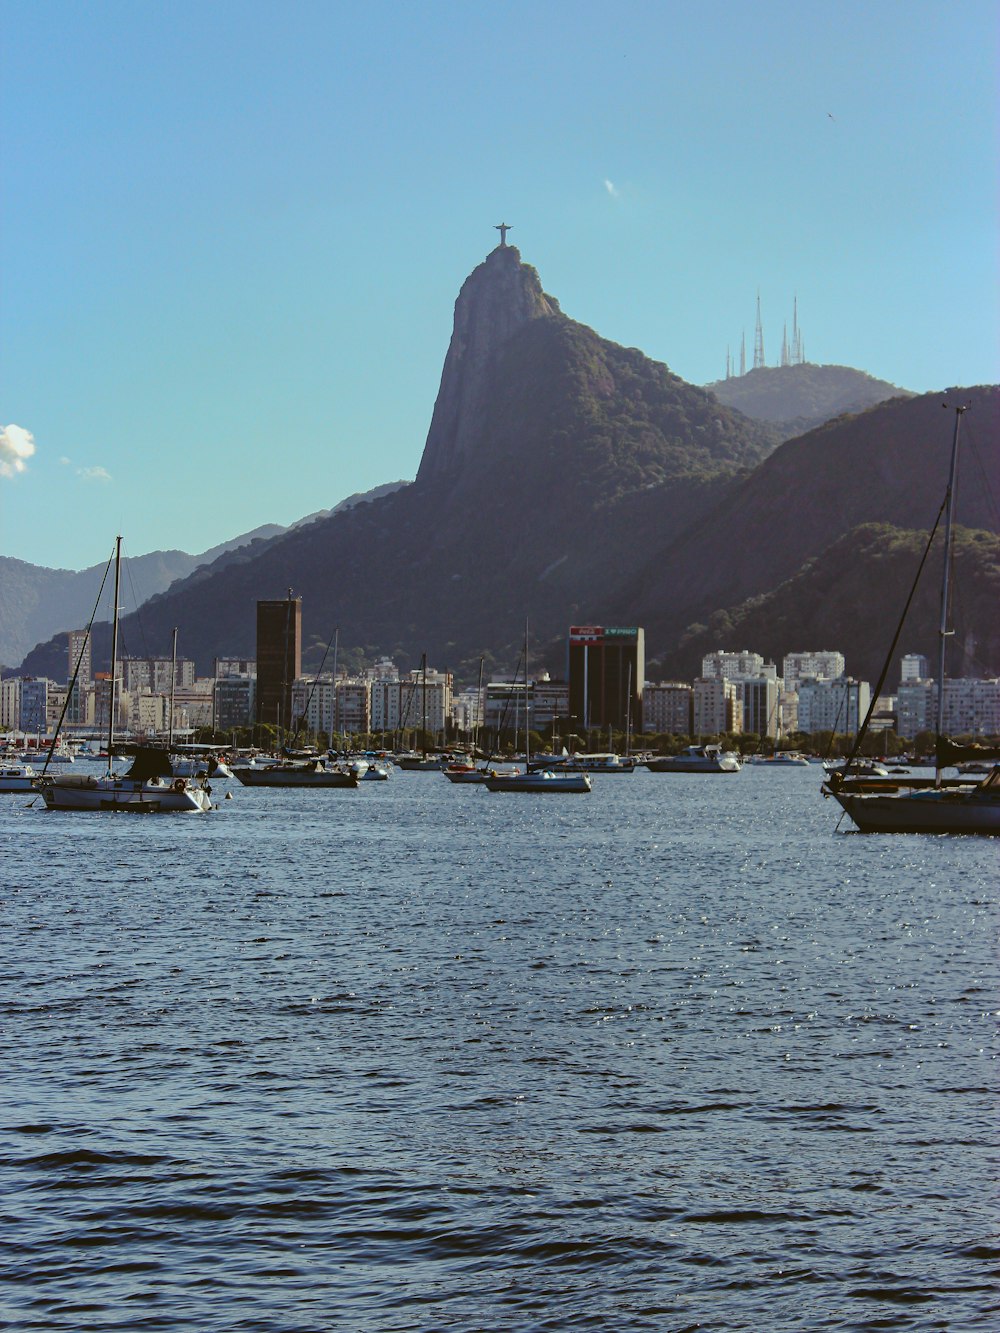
pixel 233 233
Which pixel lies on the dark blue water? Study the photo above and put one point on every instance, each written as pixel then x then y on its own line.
pixel 675 1055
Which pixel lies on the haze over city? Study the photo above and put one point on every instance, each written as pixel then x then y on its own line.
pixel 234 235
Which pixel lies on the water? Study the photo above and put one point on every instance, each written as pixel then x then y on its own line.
pixel 671 1056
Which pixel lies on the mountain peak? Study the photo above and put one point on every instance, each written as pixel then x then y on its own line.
pixel 498 297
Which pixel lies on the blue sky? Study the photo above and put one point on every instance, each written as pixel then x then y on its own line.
pixel 234 232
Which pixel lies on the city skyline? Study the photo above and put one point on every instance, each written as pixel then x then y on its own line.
pixel 231 252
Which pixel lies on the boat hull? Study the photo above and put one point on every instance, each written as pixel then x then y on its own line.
pixel 922 812
pixel 541 783
pixel 286 777
pixel 132 797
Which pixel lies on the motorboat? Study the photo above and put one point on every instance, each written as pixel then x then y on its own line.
pixel 471 773
pixel 545 780
pixel 696 759
pixel 608 763
pixel 200 766
pixel 298 773
pixel 17 777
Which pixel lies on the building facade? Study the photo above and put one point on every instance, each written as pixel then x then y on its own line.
pixel 279 659
pixel 666 708
pixel 833 705
pixel 606 667
pixel 729 666
pixel 715 707
pixel 821 665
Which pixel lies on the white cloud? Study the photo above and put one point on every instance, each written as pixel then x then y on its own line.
pixel 65 461
pixel 93 473
pixel 16 447
pixel 612 189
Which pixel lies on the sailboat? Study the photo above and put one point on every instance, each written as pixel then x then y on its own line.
pixel 422 762
pixel 540 780
pixel 944 807
pixel 148 787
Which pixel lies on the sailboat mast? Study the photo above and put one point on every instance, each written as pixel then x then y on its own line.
pixel 423 667
pixel 334 710
pixel 527 720
pixel 943 631
pixel 628 712
pixel 114 650
pixel 173 678
pixel 479 708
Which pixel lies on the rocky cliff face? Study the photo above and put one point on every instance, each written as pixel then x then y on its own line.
pixel 497 299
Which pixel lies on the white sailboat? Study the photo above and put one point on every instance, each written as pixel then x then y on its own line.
pixel 943 807
pixel 542 780
pixel 148 787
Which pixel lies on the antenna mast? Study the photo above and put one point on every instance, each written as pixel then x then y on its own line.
pixel 758 341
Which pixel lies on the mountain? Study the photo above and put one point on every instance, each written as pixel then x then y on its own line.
pixel 797 398
pixel 850 597
pixel 38 602
pixel 554 462
pixel 886 465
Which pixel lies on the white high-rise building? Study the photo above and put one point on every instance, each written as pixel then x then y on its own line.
pixel 729 666
pixel 915 666
pixel 833 705
pixel 716 706
pixel 821 665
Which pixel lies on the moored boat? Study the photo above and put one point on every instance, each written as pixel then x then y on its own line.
pixel 298 773
pixel 544 780
pixel 943 808
pixel 696 759
pixel 17 777
pixel 148 787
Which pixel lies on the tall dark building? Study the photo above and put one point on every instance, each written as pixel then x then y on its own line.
pixel 606 669
pixel 279 659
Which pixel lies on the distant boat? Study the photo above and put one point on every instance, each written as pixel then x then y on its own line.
pixel 696 759
pixel 298 773
pixel 148 787
pixel 547 780
pixel 472 773
pixel 943 808
pixel 606 763
pixel 17 777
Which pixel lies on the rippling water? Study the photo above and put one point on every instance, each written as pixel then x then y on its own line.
pixel 675 1055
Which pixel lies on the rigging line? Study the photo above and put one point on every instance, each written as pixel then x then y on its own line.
pixel 305 710
pixel 138 616
pixel 863 729
pixel 984 475
pixel 79 661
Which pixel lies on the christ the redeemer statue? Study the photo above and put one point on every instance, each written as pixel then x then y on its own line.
pixel 503 229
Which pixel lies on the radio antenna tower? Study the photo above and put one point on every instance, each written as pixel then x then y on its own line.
pixel 743 353
pixel 758 341
pixel 729 364
pixel 798 355
pixel 785 359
